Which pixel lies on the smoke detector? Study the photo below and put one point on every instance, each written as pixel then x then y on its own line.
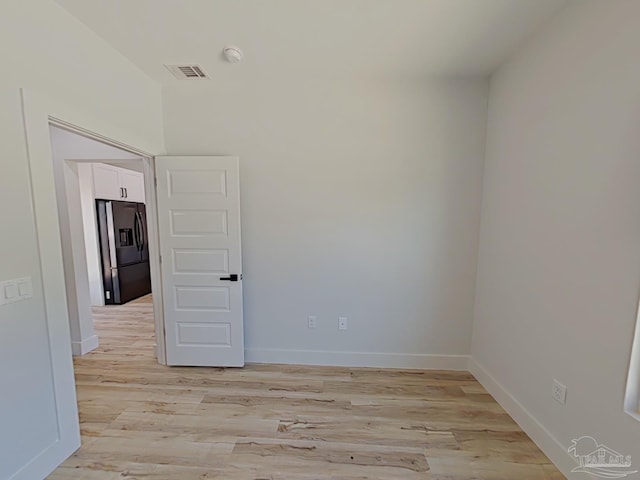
pixel 232 54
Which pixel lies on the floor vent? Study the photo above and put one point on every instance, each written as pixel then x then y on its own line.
pixel 187 72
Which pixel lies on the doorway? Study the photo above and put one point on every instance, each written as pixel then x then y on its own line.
pixel 104 195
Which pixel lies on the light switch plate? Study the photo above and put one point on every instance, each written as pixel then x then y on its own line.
pixel 12 291
pixel 24 288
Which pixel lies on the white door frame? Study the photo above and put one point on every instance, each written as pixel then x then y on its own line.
pixel 39 113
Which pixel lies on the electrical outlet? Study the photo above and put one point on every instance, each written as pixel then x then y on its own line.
pixel 342 323
pixel 559 392
pixel 312 321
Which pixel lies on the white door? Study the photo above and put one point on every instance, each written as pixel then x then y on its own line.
pixel 199 226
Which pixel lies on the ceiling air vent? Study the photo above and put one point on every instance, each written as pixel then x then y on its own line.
pixel 187 72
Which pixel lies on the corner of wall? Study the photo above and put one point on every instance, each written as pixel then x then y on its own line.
pixel 84 346
pixel 549 445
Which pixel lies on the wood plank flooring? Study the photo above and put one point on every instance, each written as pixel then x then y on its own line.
pixel 141 420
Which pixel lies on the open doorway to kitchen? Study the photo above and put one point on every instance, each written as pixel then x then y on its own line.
pixel 105 229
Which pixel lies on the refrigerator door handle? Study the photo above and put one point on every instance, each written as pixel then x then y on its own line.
pixel 139 234
pixel 142 231
pixel 111 234
pixel 136 232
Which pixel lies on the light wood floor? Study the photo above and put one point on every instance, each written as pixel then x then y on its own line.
pixel 141 420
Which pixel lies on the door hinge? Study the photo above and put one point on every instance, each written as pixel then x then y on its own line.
pixel 160 259
pixel 155 181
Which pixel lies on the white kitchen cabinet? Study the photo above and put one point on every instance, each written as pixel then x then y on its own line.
pixel 133 185
pixel 115 183
pixel 105 182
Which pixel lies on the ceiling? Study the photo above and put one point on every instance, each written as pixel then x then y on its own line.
pixel 400 38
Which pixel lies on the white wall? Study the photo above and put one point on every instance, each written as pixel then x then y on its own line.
pixel 72 146
pixel 559 261
pixel 90 230
pixel 69 202
pixel 360 197
pixel 49 53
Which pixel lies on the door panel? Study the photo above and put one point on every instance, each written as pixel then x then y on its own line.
pixel 199 224
pixel 134 281
pixel 200 261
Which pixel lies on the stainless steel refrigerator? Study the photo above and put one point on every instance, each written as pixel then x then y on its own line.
pixel 124 250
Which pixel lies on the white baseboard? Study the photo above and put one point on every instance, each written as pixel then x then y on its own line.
pixel 47 461
pixel 358 359
pixel 85 346
pixel 550 445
